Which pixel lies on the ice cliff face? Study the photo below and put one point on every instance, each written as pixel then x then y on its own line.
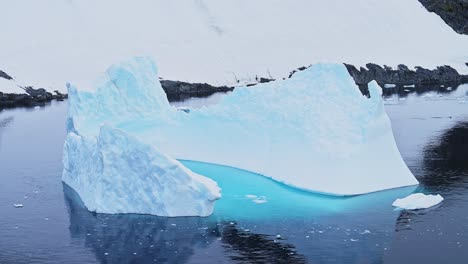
pixel 112 169
pixel 314 131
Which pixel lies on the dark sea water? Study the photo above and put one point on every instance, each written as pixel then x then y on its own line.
pixel 257 220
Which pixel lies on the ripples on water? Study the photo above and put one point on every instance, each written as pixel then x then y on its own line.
pixel 257 220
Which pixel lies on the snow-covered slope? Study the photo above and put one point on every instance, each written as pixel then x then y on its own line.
pixel 50 42
pixel 315 131
pixel 114 171
pixel 10 87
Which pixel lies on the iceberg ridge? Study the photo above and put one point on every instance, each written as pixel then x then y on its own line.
pixel 114 171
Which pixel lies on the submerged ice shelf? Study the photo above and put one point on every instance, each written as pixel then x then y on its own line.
pixel 314 131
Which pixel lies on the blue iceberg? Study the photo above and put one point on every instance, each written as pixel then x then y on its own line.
pixel 314 131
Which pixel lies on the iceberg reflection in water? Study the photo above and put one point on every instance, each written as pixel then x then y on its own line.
pixel 291 226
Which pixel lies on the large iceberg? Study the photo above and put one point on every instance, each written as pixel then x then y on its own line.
pixel 110 167
pixel 314 131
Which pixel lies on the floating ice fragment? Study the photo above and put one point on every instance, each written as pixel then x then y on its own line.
pixel 418 201
pixel 251 196
pixel 389 85
pixel 18 205
pixel 259 201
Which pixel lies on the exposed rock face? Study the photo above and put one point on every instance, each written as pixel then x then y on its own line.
pixel 176 90
pixel 403 75
pixel 5 75
pixel 453 12
pixel 32 97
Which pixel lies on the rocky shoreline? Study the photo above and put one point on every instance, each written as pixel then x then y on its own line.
pixel 404 77
pixel 179 91
pixel 401 78
pixel 31 97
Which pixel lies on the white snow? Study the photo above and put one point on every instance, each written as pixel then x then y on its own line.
pixel 51 42
pixel 418 201
pixel 10 87
pixel 296 131
pixel 409 86
pixel 110 167
pixel 389 85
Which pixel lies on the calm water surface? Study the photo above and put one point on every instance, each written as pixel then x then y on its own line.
pixel 257 220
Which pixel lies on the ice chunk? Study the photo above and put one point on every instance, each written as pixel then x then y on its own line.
pixel 18 205
pixel 418 201
pixel 389 85
pixel 110 167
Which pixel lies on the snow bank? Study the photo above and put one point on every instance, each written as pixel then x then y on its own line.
pixel 218 41
pixel 418 201
pixel 112 169
pixel 314 131
pixel 10 87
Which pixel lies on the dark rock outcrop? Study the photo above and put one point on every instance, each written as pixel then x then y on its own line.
pixel 5 75
pixel 453 12
pixel 31 97
pixel 177 91
pixel 404 76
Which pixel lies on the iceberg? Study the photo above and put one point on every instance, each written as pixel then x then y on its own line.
pixel 110 167
pixel 418 201
pixel 314 131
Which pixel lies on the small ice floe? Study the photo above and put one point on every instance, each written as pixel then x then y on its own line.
pixel 18 205
pixel 365 232
pixel 257 199
pixel 407 90
pixel 418 201
pixel 389 85
pixel 37 107
pixel 354 240
pixel 260 201
pixel 449 88
pixel 173 224
pixel 442 85
pixel 409 86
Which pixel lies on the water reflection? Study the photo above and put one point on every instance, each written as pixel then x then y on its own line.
pixel 137 238
pixel 449 151
pixel 4 122
pixel 403 91
pixel 247 247
pixel 445 172
pixel 151 239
